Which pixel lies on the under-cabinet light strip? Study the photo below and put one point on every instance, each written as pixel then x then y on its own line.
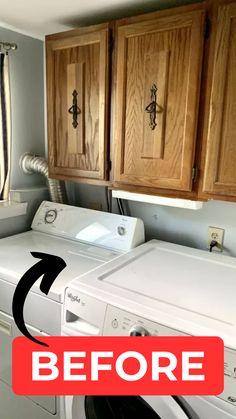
pixel 158 200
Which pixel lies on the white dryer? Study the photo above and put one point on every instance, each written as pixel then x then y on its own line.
pixel 166 289
pixel 85 239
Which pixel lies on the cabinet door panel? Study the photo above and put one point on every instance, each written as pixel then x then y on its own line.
pixel 155 147
pixel 77 100
pixel 220 170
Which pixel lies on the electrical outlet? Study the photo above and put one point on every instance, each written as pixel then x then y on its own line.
pixel 217 234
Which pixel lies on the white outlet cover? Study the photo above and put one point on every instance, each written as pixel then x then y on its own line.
pixel 216 233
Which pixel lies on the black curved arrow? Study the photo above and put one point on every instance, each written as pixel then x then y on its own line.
pixel 49 266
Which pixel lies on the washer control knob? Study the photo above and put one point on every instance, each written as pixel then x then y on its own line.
pixel 50 216
pixel 138 330
pixel 121 230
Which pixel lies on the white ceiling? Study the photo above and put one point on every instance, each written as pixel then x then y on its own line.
pixel 41 17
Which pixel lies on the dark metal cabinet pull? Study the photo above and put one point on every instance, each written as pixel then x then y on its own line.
pixel 152 107
pixel 74 109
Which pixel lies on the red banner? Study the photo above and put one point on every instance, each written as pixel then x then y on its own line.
pixel 119 366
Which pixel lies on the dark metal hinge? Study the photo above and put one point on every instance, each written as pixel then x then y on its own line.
pixel 194 173
pixel 207 27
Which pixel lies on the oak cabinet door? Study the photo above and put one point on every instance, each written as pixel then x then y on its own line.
pixel 158 80
pixel 77 83
pixel 220 168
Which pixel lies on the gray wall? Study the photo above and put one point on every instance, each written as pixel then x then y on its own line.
pixel 187 227
pixel 27 96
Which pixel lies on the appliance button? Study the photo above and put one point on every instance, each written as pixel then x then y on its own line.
pixel 121 230
pixel 138 330
pixel 114 323
pixel 50 216
pixel 135 333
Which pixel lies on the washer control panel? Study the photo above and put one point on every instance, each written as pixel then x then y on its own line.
pixel 122 323
pixel 229 393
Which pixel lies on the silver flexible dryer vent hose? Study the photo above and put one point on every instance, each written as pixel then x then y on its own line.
pixel 30 163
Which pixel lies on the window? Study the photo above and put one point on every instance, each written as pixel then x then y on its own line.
pixel 5 127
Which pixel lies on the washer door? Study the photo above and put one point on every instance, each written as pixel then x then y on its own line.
pixel 125 407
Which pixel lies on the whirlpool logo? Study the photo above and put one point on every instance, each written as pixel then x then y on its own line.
pixel 73 298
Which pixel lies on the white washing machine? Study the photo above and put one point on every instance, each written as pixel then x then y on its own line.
pixel 85 239
pixel 161 289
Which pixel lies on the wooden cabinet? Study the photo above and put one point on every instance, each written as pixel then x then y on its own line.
pixel 159 60
pixel 77 102
pixel 220 168
pixel 155 81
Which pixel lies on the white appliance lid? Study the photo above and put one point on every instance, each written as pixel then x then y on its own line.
pixel 194 286
pixel 16 259
pixel 182 278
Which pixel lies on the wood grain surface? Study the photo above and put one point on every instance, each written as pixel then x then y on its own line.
pixel 220 168
pixel 175 42
pixel 78 62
